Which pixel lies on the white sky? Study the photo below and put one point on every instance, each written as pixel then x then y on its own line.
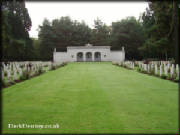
pixel 108 12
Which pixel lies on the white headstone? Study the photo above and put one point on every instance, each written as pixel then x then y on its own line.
pixel 123 48
pixel 156 69
pixel 145 67
pixel 9 75
pixel 15 75
pixel 168 65
pixel 20 72
pixel 172 70
pixel 132 65
pixel 148 68
pixel 165 70
pixel 161 72
pixel 151 67
pixel 177 70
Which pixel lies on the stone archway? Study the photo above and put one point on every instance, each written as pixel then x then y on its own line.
pixel 79 56
pixel 97 56
pixel 88 56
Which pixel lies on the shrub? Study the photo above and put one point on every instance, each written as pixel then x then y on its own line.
pixel 176 80
pixel 145 72
pixel 136 64
pixel 174 76
pixel 168 77
pixel 152 72
pixel 40 70
pixel 64 63
pixel 25 75
pixel 139 69
pixel 53 67
pixel 169 70
pixel 163 76
pixel 5 73
pixel 115 63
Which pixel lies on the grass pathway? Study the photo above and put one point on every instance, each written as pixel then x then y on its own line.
pixel 92 98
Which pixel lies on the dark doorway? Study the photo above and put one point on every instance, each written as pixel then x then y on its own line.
pixel 97 56
pixel 79 56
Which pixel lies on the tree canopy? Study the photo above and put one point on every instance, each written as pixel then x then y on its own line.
pixel 61 33
pixel 128 33
pixel 16 44
pixel 160 22
pixel 154 35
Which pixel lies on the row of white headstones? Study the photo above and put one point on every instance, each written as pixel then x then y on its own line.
pixel 162 66
pixel 128 64
pixel 14 70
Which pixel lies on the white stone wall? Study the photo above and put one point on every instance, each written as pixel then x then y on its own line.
pixel 60 57
pixel 117 56
pixel 106 54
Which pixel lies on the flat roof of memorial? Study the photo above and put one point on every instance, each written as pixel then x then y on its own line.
pixel 80 47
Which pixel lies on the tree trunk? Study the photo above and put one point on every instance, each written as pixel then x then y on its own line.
pixel 166 55
pixel 176 30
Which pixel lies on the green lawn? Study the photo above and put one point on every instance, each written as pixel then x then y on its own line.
pixel 92 98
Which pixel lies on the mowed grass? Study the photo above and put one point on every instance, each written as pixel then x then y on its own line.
pixel 92 98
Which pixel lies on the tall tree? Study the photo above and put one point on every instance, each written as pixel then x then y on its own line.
pixel 100 35
pixel 128 33
pixel 148 49
pixel 46 36
pixel 161 30
pixel 16 24
pixel 61 33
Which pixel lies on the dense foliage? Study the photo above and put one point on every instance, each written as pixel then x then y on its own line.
pixel 128 33
pixel 15 26
pixel 161 24
pixel 61 33
pixel 153 36
pixel 65 32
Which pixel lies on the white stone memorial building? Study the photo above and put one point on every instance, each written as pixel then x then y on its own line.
pixel 88 53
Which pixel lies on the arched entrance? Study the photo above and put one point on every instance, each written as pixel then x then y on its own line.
pixel 79 56
pixel 88 56
pixel 97 56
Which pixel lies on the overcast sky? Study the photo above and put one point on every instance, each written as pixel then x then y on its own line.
pixel 108 12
